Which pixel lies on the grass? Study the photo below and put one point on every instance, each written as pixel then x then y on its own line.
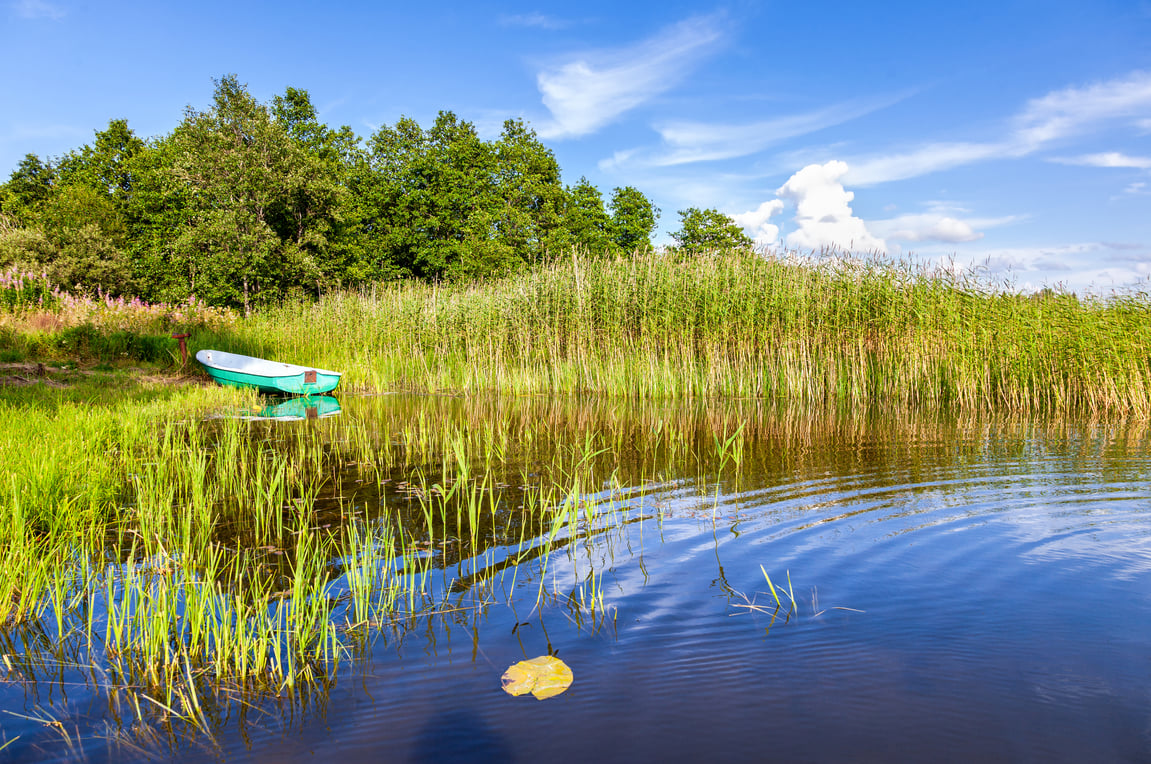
pixel 736 326
pixel 183 556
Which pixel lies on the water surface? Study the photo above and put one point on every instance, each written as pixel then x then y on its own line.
pixel 966 589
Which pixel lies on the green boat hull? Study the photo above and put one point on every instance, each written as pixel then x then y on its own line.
pixel 266 376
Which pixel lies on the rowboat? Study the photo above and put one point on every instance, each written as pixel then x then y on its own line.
pixel 266 376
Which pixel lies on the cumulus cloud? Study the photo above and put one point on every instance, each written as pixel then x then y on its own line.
pixel 587 92
pixel 1107 159
pixel 756 222
pixel 824 218
pixel 823 211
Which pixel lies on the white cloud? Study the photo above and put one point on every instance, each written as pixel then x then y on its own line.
pixel 536 20
pixel 755 222
pixel 941 223
pixel 823 211
pixel 1068 111
pixel 1137 189
pixel 38 9
pixel 701 141
pixel 1055 116
pixel 926 227
pixel 590 91
pixel 1092 267
pixel 927 159
pixel 616 160
pixel 1107 159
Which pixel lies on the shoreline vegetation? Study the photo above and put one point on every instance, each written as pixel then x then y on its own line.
pixel 816 330
pixel 183 562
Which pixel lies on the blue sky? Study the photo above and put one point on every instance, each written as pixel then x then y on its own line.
pixel 1012 136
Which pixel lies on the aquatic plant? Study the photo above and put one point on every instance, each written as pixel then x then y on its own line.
pixel 813 330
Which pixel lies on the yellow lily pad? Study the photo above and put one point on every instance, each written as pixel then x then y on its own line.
pixel 545 677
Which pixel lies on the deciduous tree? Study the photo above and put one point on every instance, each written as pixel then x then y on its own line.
pixel 709 231
pixel 633 219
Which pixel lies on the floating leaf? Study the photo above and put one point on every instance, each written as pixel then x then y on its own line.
pixel 545 677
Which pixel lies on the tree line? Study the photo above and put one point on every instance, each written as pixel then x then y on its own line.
pixel 248 202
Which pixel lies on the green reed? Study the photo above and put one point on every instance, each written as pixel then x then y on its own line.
pixel 812 330
pixel 194 557
pixel 172 546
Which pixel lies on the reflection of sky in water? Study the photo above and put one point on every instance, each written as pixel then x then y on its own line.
pixel 1000 569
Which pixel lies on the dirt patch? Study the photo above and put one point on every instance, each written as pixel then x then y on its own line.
pixel 26 374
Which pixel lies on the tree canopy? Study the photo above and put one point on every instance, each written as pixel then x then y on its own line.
pixel 709 231
pixel 247 202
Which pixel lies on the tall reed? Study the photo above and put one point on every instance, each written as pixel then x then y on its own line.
pixel 811 330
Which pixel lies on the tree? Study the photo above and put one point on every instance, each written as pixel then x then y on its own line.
pixel 443 203
pixel 528 185
pixel 107 165
pixel 88 235
pixel 709 231
pixel 252 206
pixel 308 217
pixel 30 184
pixel 586 224
pixel 633 219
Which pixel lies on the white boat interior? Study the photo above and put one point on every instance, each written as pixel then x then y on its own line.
pixel 260 367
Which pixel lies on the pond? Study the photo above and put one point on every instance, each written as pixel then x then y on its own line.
pixel 945 589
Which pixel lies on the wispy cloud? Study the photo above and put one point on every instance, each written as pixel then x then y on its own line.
pixel 1107 159
pixel 701 141
pixel 38 9
pixel 534 20
pixel 926 159
pixel 589 91
pixel 1043 121
pixel 938 224
pixel 1083 267
pixel 1069 111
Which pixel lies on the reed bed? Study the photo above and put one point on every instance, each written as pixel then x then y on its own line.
pixel 804 330
pixel 174 556
pixel 185 560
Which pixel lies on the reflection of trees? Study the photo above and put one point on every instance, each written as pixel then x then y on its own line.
pixel 461 494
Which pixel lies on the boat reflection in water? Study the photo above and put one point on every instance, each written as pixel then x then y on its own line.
pixel 295 409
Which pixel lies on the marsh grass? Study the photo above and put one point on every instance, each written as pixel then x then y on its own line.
pixel 806 330
pixel 183 557
pixel 183 561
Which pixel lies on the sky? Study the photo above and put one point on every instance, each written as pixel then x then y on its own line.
pixel 1011 138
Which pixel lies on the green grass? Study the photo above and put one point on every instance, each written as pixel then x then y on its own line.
pixel 169 546
pixel 736 326
pixel 181 552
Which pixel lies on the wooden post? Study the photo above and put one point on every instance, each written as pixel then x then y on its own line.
pixel 183 348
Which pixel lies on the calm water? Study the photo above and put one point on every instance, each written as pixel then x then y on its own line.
pixel 974 589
